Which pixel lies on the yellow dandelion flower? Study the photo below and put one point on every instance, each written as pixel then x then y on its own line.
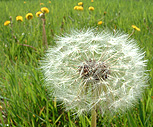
pixel 19 18
pixel 76 7
pixel 6 23
pixel 49 2
pixel 80 8
pixel 100 22
pixel 34 115
pixel 91 8
pixel 1 107
pixel 91 0
pixel 29 16
pixel 136 28
pixel 38 13
pixel 80 3
pixel 41 3
pixel 24 2
pixel 45 10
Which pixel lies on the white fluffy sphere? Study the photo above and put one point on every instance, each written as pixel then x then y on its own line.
pixel 88 68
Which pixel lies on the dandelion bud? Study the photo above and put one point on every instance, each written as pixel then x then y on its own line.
pixel 105 13
pixel 144 20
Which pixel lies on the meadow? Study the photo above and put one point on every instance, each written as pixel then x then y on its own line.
pixel 24 98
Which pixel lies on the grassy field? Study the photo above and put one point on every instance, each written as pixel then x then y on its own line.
pixel 24 100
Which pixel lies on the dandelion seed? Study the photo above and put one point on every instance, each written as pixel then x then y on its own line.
pixel 6 23
pixel 38 13
pixel 29 16
pixel 90 69
pixel 91 8
pixel 100 22
pixel 136 28
pixel 45 10
pixel 19 18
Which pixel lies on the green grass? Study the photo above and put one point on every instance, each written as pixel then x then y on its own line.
pixel 24 99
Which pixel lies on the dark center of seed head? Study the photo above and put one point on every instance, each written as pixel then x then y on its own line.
pixel 94 70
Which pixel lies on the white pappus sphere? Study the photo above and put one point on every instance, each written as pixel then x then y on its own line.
pixel 88 68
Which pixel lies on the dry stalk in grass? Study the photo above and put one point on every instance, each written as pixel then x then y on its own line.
pixel 44 33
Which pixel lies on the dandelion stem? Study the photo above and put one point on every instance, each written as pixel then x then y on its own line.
pixel 93 117
pixel 11 27
pixel 93 110
pixel 131 33
pixel 28 46
pixel 44 32
pixel 31 26
pixel 71 19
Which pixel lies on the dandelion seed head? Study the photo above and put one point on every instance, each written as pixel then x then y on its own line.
pixel 86 63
